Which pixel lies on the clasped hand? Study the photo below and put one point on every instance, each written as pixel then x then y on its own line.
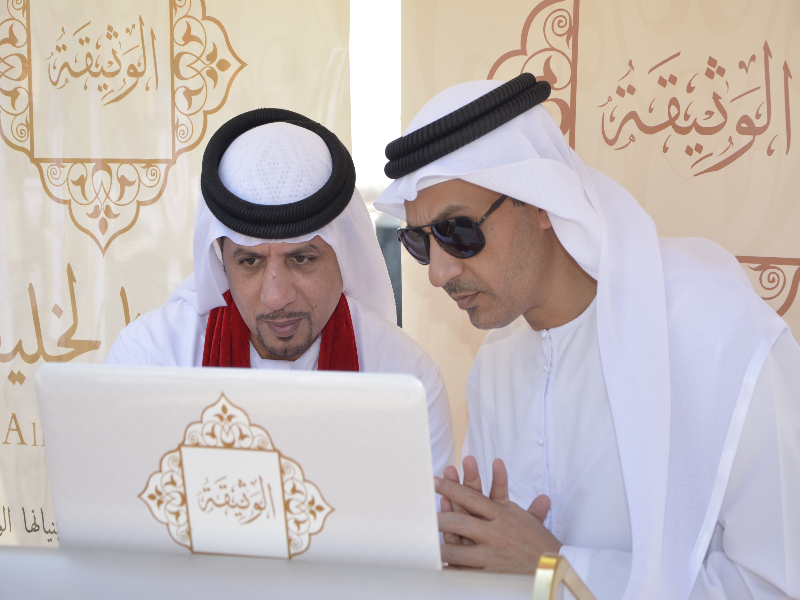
pixel 492 534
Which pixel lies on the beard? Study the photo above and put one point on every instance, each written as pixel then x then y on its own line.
pixel 290 348
pixel 497 314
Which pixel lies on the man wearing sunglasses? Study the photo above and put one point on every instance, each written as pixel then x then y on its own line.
pixel 635 406
pixel 288 271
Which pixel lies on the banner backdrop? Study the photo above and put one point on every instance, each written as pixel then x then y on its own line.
pixel 105 110
pixel 689 104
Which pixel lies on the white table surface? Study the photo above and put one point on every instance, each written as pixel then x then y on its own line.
pixel 86 574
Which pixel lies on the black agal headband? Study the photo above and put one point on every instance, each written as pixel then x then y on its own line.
pixel 410 152
pixel 284 220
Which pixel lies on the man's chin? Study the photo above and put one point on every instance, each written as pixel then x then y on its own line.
pixel 286 348
pixel 287 353
pixel 483 319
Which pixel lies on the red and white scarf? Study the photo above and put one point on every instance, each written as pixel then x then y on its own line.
pixel 228 339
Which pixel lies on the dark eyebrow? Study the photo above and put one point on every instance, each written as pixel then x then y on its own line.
pixel 445 213
pixel 246 251
pixel 307 249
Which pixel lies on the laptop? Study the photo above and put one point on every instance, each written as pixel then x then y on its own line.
pixel 308 466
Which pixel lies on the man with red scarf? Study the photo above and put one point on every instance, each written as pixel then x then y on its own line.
pixel 288 271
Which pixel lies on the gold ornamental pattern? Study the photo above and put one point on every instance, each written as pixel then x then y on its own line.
pixel 104 195
pixel 225 426
pixel 778 279
pixel 548 49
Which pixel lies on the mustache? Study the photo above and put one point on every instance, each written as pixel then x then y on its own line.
pixel 282 315
pixel 460 286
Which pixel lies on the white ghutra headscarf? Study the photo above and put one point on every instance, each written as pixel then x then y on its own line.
pixel 678 414
pixel 280 163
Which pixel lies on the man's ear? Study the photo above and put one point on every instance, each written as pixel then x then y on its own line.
pixel 544 220
pixel 539 216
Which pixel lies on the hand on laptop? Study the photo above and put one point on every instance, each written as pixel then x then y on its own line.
pixel 494 533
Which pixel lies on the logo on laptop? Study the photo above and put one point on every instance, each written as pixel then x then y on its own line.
pixel 226 490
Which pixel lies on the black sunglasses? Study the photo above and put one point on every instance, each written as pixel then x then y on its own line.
pixel 458 236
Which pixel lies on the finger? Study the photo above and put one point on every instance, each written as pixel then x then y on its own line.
pixel 467 542
pixel 540 507
pixel 445 505
pixel 451 473
pixel 464 556
pixel 499 491
pixel 452 538
pixel 468 498
pixel 464 525
pixel 472 477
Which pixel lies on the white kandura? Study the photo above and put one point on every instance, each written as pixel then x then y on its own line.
pixel 682 339
pixel 576 460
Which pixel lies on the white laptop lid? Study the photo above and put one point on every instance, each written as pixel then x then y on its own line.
pixel 317 466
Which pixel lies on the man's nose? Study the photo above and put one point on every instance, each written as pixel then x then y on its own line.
pixel 277 288
pixel 443 266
